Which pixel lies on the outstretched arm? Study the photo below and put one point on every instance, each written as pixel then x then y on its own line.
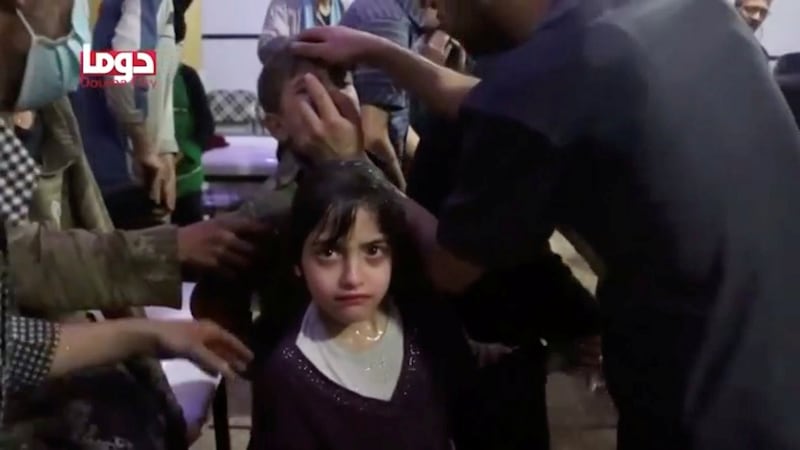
pixel 440 88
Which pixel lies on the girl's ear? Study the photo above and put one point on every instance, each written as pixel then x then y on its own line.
pixel 297 272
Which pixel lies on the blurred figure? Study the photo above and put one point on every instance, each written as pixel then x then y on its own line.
pixel 286 18
pixel 129 128
pixel 194 127
pixel 41 64
pixel 754 12
pixel 385 107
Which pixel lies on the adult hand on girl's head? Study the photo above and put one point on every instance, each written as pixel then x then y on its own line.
pixel 223 244
pixel 203 342
pixel 333 123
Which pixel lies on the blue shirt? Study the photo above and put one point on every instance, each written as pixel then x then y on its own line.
pixel 104 139
pixel 400 21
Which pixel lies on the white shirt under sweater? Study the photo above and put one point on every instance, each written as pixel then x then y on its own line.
pixel 371 373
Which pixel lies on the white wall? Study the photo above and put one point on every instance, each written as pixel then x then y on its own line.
pixel 232 64
pixel 780 33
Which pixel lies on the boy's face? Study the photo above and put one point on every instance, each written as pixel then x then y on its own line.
pixel 288 125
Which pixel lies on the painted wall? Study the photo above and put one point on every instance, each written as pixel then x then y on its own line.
pixel 781 30
pixel 232 63
pixel 193 43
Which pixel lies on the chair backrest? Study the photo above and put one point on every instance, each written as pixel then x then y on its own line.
pixel 232 107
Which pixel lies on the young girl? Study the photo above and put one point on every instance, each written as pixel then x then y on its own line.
pixel 367 364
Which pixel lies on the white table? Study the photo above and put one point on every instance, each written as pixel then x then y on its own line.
pixel 193 388
pixel 246 156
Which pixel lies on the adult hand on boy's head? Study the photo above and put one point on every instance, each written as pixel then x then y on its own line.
pixel 333 123
pixel 340 46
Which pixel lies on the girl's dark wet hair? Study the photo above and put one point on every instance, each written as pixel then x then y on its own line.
pixel 328 198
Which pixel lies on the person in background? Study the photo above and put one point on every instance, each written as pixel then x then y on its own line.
pixel 286 18
pixel 129 127
pixel 385 107
pixel 32 350
pixel 67 198
pixel 754 12
pixel 194 127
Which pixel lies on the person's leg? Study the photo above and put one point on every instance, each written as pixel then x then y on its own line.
pixel 506 409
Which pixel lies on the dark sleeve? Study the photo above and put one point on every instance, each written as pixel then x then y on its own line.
pixel 430 179
pixel 374 86
pixel 198 102
pixel 568 310
pixel 503 207
pixel 278 422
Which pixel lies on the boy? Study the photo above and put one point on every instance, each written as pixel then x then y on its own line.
pixel 282 95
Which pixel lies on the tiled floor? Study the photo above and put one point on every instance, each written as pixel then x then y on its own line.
pixel 579 419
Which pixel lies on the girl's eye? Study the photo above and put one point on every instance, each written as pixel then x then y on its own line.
pixel 327 253
pixel 376 250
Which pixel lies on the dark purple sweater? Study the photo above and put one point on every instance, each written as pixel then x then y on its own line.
pixel 296 407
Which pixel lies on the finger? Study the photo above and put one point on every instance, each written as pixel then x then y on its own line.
pixel 346 105
pixel 309 48
pixel 155 189
pixel 439 40
pixel 320 97
pixel 311 35
pixel 311 119
pixel 233 244
pixel 210 362
pixel 241 225
pixel 170 195
pixel 228 344
pixel 234 260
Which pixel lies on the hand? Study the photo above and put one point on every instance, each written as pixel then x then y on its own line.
pixel 169 186
pixel 203 342
pixel 488 354
pixel 333 123
pixel 158 174
pixel 218 243
pixel 436 47
pixel 340 46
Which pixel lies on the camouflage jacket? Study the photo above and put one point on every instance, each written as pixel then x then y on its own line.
pixel 69 258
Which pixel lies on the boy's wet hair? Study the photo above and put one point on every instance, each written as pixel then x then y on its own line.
pixel 280 66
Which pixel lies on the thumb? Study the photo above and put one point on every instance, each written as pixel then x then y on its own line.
pixel 346 105
pixel 311 50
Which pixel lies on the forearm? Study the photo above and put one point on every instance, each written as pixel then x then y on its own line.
pixel 88 345
pixel 66 270
pixel 438 87
pixel 383 150
pixel 129 108
pixel 447 272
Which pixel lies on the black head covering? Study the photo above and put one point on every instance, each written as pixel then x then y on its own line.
pixel 180 20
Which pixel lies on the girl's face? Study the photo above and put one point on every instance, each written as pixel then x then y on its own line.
pixel 348 280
